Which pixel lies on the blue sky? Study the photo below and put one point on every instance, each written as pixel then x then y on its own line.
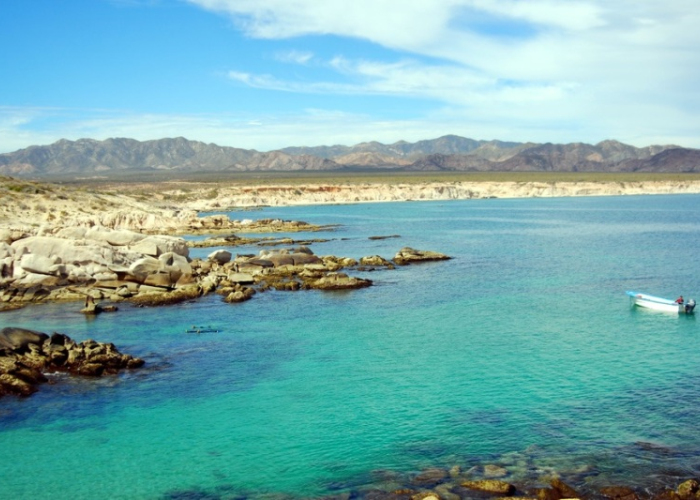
pixel 266 74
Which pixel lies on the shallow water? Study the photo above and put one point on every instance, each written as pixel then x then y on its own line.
pixel 521 351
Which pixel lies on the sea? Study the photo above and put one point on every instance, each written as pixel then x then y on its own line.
pixel 521 353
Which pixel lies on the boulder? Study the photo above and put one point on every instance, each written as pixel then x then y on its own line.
pixel 430 477
pixel 302 259
pixel 162 279
pixel 619 493
pixel 564 490
pixel 255 262
pixel 240 295
pixel 177 266
pixel 149 248
pixel 39 264
pixel 165 244
pixel 143 267
pixel 19 339
pixel 689 490
pixel 492 486
pixel 375 260
pixel 338 281
pixel 220 256
pixel 494 471
pixel 409 255
pixel 151 296
pixel 241 278
pixel 280 259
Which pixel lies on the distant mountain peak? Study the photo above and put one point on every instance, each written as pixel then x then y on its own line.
pixel 448 152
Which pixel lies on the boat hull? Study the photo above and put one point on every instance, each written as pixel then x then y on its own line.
pixel 656 303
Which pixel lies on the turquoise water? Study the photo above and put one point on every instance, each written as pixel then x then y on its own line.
pixel 521 351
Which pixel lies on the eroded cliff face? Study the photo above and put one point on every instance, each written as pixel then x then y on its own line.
pixel 282 195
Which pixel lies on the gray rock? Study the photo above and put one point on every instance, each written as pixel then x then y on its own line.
pixel 220 256
pixel 19 339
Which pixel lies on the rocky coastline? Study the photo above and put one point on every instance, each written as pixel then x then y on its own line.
pixel 27 356
pixel 174 208
pixel 345 193
pixel 100 250
pixel 101 264
pixel 487 481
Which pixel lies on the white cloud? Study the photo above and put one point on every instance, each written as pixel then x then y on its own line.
pixel 570 15
pixel 600 64
pixel 539 70
pixel 295 57
pixel 313 127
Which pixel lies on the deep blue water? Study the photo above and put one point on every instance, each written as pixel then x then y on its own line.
pixel 522 351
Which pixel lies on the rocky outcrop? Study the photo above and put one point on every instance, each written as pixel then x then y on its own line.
pixel 98 263
pixel 376 261
pixel 408 255
pixel 288 270
pixel 39 267
pixel 299 269
pixel 26 356
pixel 338 281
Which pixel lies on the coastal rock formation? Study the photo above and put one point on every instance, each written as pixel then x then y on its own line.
pixel 92 262
pixel 408 255
pixel 376 261
pixel 37 267
pixel 339 281
pixel 30 208
pixel 366 192
pixel 26 356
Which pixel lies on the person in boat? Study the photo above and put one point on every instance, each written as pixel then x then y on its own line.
pixel 680 300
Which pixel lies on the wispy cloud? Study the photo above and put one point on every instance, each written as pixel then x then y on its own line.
pixel 537 70
pixel 450 84
pixel 611 66
pixel 311 127
pixel 20 128
pixel 294 56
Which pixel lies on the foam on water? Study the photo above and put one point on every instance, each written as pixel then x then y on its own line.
pixel 521 351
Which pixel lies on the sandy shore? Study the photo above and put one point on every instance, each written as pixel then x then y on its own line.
pixel 169 206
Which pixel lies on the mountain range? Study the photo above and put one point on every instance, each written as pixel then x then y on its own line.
pixel 447 153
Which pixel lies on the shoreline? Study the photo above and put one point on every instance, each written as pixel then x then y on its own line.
pixel 204 198
pixel 175 206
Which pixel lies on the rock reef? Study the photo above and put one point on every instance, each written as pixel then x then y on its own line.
pixel 26 356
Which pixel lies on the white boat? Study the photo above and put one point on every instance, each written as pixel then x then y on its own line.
pixel 660 304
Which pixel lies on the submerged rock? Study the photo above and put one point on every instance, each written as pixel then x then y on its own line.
pixel 492 486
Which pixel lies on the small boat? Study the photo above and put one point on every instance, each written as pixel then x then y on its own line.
pixel 661 304
pixel 201 329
